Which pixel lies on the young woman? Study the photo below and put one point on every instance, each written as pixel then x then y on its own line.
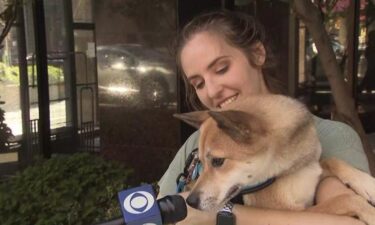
pixel 224 58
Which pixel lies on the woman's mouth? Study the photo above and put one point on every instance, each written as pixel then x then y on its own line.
pixel 228 101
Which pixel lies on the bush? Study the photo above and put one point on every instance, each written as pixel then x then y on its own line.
pixel 10 74
pixel 76 189
pixel 5 131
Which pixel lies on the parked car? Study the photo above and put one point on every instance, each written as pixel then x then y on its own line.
pixel 133 75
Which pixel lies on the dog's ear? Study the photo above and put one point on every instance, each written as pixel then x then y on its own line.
pixel 194 119
pixel 235 124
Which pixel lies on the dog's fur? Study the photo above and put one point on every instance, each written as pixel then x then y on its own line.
pixel 267 136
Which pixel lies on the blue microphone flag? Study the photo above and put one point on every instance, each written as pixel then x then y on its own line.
pixel 139 206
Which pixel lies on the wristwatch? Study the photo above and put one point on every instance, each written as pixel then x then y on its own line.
pixel 225 216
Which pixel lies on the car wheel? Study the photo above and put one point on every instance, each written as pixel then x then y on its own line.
pixel 154 92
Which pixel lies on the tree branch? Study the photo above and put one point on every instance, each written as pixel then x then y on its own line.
pixel 344 102
pixel 9 15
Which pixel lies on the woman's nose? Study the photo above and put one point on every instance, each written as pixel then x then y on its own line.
pixel 214 88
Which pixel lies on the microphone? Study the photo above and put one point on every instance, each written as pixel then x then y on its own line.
pixel 139 206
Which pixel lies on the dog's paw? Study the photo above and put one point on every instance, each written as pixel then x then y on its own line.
pixel 363 184
pixel 368 215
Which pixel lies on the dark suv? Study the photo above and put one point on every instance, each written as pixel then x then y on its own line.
pixel 133 75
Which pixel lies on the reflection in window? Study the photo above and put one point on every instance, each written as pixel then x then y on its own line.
pixel 10 121
pixel 137 84
pixel 9 83
pixel 82 11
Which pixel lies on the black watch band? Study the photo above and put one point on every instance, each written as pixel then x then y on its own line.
pixel 225 216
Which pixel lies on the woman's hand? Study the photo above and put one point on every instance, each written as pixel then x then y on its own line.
pixel 334 197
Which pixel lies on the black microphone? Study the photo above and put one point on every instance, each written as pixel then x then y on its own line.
pixel 139 207
pixel 172 208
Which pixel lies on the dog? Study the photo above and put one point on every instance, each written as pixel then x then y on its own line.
pixel 271 136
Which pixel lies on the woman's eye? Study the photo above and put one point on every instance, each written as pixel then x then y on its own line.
pixel 222 70
pixel 217 162
pixel 199 85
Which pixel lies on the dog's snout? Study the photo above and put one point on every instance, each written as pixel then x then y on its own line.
pixel 193 200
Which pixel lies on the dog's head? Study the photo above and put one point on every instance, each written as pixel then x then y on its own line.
pixel 253 140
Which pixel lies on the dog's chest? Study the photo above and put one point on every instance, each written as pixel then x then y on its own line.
pixel 294 191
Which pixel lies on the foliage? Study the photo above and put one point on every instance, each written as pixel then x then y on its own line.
pixel 5 132
pixel 8 15
pixel 10 74
pixel 79 189
pixel 332 7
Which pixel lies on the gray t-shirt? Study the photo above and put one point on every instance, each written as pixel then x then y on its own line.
pixel 337 139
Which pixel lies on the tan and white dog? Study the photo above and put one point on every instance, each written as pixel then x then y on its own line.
pixel 267 136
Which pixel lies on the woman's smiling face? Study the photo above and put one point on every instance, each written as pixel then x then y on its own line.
pixel 219 72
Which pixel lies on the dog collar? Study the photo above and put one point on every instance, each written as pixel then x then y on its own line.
pixel 257 187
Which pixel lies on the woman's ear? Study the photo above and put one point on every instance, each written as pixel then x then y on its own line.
pixel 259 53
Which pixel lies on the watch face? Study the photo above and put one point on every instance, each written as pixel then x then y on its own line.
pixel 225 218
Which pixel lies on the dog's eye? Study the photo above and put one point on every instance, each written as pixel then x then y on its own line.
pixel 217 162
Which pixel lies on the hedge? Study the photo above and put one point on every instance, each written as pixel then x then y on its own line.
pixel 80 189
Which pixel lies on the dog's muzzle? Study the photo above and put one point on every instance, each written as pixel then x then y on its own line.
pixel 193 200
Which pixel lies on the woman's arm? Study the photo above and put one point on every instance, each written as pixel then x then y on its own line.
pixel 254 216
pixel 246 215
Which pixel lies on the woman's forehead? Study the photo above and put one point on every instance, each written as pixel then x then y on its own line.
pixel 202 49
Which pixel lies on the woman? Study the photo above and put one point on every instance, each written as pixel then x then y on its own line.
pixel 224 58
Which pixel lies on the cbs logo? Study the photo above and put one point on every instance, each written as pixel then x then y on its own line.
pixel 138 202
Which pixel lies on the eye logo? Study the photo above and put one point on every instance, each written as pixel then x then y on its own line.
pixel 138 202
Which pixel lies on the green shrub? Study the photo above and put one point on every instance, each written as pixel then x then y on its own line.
pixel 10 74
pixel 5 131
pixel 77 189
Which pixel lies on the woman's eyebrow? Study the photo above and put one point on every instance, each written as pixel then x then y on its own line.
pixel 215 61
pixel 192 77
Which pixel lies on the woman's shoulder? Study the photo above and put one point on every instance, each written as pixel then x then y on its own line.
pixel 167 183
pixel 193 141
pixel 327 125
pixel 194 137
pixel 334 132
pixel 341 141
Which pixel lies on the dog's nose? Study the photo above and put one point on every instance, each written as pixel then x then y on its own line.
pixel 193 200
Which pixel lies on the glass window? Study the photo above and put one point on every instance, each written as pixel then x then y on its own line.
pixel 85 76
pixel 10 109
pixel 82 11
pixel 137 84
pixel 366 65
pixel 85 56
